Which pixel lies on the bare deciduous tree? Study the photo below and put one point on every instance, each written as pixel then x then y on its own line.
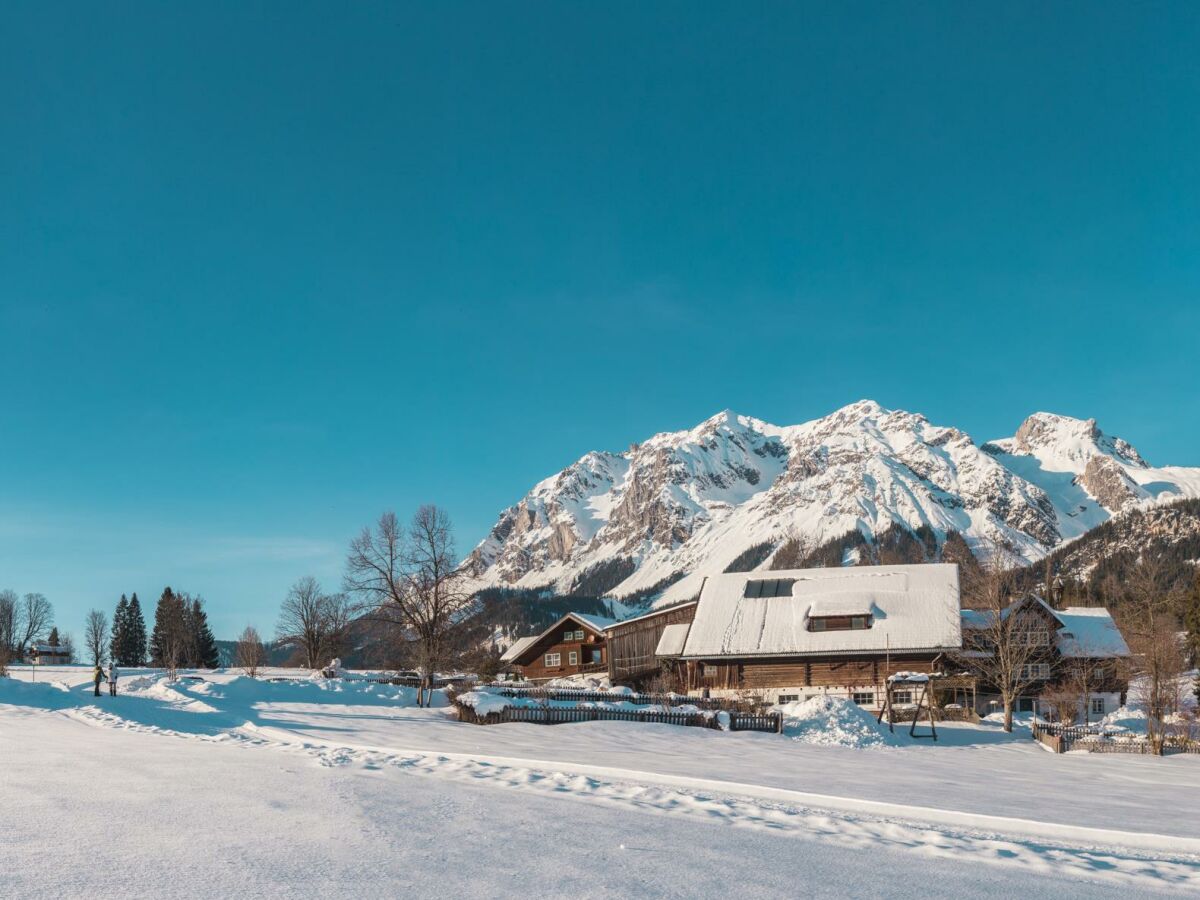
pixel 1000 636
pixel 409 580
pixel 33 621
pixel 314 622
pixel 9 604
pixel 1148 615
pixel 95 635
pixel 249 653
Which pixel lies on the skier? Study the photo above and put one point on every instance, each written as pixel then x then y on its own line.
pixel 112 679
pixel 97 677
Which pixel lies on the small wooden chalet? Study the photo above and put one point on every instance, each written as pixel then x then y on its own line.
pixel 48 655
pixel 795 634
pixel 574 645
pixel 1075 643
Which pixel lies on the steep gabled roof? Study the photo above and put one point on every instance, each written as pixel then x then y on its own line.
pixel 912 608
pixel 519 646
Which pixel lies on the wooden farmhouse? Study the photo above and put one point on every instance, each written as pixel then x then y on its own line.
pixel 574 645
pixel 794 634
pixel 1075 644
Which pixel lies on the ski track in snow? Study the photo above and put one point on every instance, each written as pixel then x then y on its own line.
pixel 1132 860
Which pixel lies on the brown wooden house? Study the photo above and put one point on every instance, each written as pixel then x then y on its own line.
pixel 574 645
pixel 795 634
pixel 1064 644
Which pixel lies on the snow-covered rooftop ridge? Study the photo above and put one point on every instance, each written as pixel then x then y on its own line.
pixel 913 608
pixel 597 622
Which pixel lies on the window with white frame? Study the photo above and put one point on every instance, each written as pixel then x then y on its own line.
pixel 903 697
pixel 573 636
pixel 788 698
pixel 553 660
pixel 1035 671
pixel 572 658
pixel 1097 706
pixel 1035 638
pixel 864 698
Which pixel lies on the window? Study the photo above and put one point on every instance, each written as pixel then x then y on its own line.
pixel 1035 671
pixel 769 587
pixel 573 658
pixel 1039 638
pixel 1097 706
pixel 864 698
pixel 788 698
pixel 902 697
pixel 573 636
pixel 839 623
pixel 553 660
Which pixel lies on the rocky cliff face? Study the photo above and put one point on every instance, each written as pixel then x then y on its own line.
pixel 690 502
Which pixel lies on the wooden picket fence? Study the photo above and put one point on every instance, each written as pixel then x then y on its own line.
pixel 561 715
pixel 576 695
pixel 1064 738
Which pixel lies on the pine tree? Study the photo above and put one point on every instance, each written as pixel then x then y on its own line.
pixel 168 641
pixel 203 644
pixel 120 635
pixel 53 639
pixel 135 627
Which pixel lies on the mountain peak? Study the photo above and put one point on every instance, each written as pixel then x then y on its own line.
pixel 1067 442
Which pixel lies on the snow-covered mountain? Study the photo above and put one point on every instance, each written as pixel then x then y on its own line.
pixel 690 502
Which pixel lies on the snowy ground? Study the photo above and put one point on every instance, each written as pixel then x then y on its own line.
pixel 295 789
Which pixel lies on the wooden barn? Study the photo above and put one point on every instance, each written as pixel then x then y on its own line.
pixel 794 634
pixel 574 645
pixel 634 651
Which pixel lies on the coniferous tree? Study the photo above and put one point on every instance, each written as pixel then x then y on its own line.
pixel 168 642
pixel 53 639
pixel 120 636
pixel 202 644
pixel 135 627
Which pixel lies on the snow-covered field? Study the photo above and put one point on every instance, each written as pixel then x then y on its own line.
pixel 266 789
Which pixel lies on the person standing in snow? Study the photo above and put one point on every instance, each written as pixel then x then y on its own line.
pixel 97 677
pixel 112 679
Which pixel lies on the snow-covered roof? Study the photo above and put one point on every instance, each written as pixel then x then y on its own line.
pixel 656 611
pixel 518 646
pixel 599 623
pixel 672 640
pixel 913 608
pixel 1090 632
pixel 49 649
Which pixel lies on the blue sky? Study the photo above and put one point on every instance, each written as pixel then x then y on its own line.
pixel 267 270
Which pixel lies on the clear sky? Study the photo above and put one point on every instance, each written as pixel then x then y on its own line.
pixel 267 270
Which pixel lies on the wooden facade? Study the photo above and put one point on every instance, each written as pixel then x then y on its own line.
pixel 572 646
pixel 849 673
pixel 631 644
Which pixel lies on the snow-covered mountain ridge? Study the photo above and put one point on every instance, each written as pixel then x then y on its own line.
pixel 690 502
